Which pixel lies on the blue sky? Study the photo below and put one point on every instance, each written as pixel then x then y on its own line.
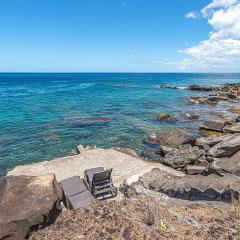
pixel 116 36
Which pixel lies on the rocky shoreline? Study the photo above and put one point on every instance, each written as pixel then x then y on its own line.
pixel 186 191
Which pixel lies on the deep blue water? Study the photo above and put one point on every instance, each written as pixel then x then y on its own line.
pixel 44 116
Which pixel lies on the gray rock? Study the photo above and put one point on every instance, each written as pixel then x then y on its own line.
pixel 227 165
pixel 182 156
pixel 195 87
pixel 226 148
pixel 174 137
pixel 233 128
pixel 207 142
pixel 193 187
pixel 193 170
pixel 26 201
pixel 203 162
pixel 215 125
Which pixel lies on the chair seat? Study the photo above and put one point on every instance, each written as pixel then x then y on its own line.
pixel 81 200
pixel 104 191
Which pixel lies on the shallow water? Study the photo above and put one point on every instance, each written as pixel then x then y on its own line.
pixel 44 116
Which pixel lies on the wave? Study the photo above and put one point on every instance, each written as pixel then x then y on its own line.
pixel 182 88
pixel 62 88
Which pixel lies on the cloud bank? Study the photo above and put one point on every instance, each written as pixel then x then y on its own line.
pixel 222 49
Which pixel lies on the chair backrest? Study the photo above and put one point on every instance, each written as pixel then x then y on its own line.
pixel 102 176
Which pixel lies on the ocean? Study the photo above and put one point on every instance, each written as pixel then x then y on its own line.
pixel 46 115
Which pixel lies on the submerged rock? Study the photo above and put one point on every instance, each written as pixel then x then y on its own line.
pixel 163 116
pixel 193 187
pixel 192 116
pixel 26 202
pixel 182 156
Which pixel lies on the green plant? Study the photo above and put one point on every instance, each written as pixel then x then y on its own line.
pixel 162 227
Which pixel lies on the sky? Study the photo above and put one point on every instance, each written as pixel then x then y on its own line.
pixel 119 36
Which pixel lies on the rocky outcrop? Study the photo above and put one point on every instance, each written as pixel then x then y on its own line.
pixel 195 87
pixel 214 125
pixel 182 156
pixel 173 138
pixel 227 165
pixel 26 202
pixel 193 187
pixel 226 148
pixel 233 128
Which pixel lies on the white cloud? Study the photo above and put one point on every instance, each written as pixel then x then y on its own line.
pixel 217 4
pixel 222 49
pixel 191 14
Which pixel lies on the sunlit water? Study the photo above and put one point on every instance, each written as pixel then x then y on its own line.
pixel 44 116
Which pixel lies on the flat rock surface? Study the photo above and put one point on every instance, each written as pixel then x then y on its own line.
pixel 191 187
pixel 124 166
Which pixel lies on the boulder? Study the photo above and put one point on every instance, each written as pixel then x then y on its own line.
pixel 226 148
pixel 182 156
pixel 233 128
pixel 193 187
pixel 215 125
pixel 174 137
pixel 227 165
pixel 193 170
pixel 127 151
pixel 27 202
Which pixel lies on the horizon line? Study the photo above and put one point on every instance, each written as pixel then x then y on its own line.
pixel 112 72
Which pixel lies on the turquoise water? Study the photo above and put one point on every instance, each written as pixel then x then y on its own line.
pixel 44 116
